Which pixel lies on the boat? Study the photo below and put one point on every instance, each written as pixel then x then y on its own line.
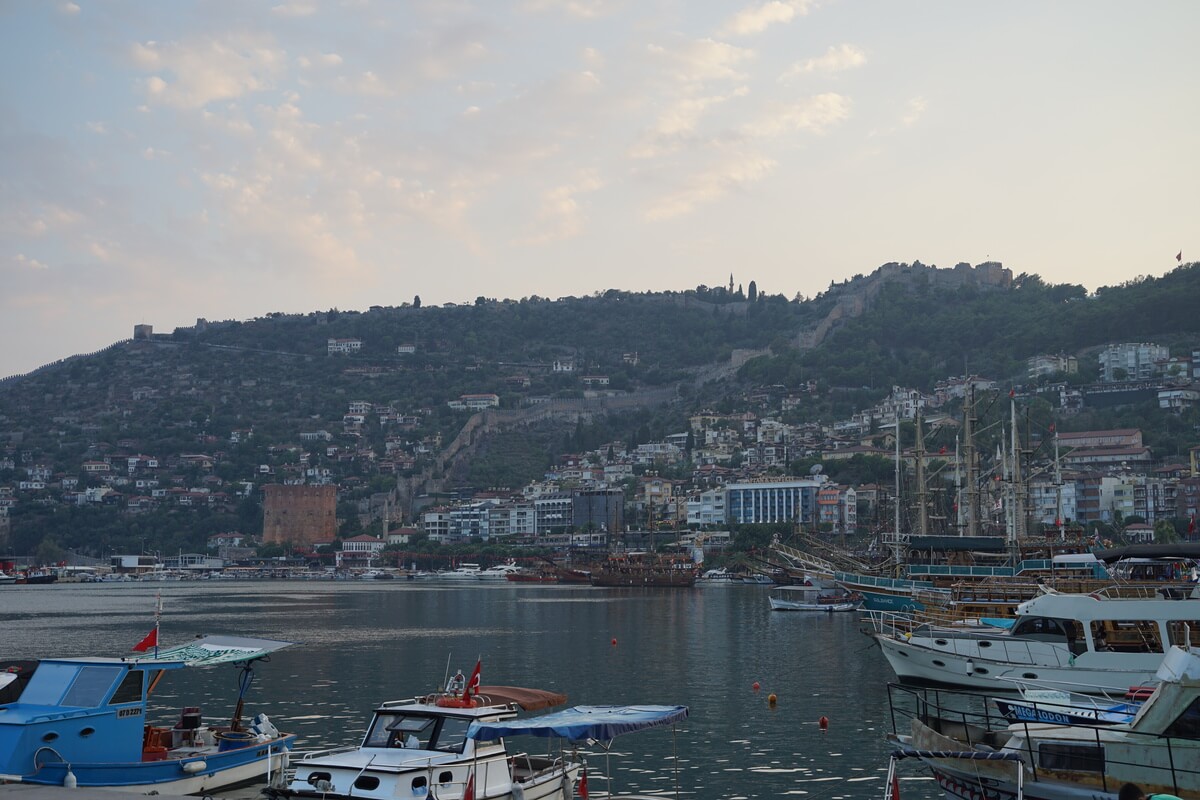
pixel 36 576
pixel 811 598
pixel 645 570
pixel 1086 643
pixel 420 747
pixel 972 757
pixel 720 576
pixel 463 572
pixel 1067 708
pixel 758 579
pixel 84 722
pixel 499 572
pixel 5 578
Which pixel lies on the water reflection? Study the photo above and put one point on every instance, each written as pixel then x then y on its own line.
pixel 364 643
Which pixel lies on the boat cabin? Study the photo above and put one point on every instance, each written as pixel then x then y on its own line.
pixel 85 709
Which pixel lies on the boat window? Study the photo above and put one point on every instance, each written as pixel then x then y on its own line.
pixel 1045 628
pixel 1185 633
pixel 1187 724
pixel 90 686
pixel 400 730
pixel 1080 757
pixel 452 738
pixel 130 690
pixel 1130 636
pixel 366 782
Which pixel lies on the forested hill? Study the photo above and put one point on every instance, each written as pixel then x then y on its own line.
pixel 915 333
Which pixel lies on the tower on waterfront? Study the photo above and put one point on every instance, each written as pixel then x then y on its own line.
pixel 299 514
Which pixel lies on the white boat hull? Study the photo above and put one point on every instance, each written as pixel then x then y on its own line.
pixel 963 662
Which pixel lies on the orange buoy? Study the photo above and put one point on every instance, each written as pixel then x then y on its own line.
pixel 771 698
pixel 823 724
pixel 614 642
pixel 755 686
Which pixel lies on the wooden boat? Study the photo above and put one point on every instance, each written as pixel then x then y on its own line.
pixel 646 570
pixel 83 722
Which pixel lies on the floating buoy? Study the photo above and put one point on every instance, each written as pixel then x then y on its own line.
pixel 771 698
pixel 755 686
pixel 823 724
pixel 614 642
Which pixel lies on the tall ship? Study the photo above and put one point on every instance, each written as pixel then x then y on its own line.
pixel 646 570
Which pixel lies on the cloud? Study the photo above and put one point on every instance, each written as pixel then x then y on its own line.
pixel 836 59
pixel 814 115
pixel 757 19
pixel 154 154
pixel 735 171
pixel 702 60
pixel 29 263
pixel 203 70
pixel 68 9
pixel 560 216
pixel 677 125
pixel 584 9
pixel 916 107
pixel 296 8
pixel 97 127
pixel 320 60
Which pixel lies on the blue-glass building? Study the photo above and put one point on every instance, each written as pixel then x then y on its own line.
pixel 773 501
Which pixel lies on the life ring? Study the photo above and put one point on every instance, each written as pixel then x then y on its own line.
pixel 455 702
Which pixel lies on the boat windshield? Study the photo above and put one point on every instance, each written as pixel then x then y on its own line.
pixel 418 732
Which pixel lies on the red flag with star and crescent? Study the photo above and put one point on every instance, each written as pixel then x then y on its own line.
pixel 473 682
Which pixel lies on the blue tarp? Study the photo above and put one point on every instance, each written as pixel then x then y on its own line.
pixel 602 723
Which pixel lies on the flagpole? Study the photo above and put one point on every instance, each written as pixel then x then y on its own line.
pixel 157 619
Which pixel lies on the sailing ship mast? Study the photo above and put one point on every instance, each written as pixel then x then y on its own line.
pixel 971 477
pixel 922 500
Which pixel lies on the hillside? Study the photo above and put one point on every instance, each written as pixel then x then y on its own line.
pixel 223 407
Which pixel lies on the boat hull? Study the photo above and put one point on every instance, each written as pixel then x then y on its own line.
pixel 221 770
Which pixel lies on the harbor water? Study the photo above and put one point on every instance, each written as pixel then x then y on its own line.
pixel 362 642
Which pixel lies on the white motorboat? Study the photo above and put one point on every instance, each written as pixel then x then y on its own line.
pixel 811 598
pixel 420 748
pixel 1087 643
pixel 463 572
pixel 970 758
pixel 5 578
pixel 499 572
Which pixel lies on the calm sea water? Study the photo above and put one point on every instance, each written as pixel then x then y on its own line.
pixel 362 643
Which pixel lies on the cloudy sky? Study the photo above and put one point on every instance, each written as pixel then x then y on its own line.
pixel 163 161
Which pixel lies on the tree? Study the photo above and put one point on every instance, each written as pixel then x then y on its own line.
pixel 416 301
pixel 753 292
pixel 1165 533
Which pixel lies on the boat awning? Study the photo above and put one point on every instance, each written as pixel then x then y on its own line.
pixel 602 723
pixel 1178 550
pixel 209 650
pixel 525 699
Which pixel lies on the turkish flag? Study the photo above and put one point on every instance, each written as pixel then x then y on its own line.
pixel 583 790
pixel 151 640
pixel 473 683
pixel 469 792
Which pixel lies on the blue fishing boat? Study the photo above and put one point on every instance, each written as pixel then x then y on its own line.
pixel 84 722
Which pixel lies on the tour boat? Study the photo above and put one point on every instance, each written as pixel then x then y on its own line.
pixel 644 570
pixel 811 598
pixel 1087 643
pixel 971 757
pixel 83 722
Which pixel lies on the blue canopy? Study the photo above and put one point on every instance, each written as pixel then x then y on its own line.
pixel 602 723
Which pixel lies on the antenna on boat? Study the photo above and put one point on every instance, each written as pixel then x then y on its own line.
pixel 446 677
pixel 157 620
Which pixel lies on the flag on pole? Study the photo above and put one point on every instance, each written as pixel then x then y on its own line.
pixel 1192 525
pixel 473 681
pixel 1179 256
pixel 583 790
pixel 151 640
pixel 469 792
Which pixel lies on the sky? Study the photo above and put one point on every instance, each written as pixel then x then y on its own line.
pixel 166 161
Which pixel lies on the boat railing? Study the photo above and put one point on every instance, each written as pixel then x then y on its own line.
pixel 308 755
pixel 968 718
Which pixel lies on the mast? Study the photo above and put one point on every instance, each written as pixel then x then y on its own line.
pixel 969 448
pixel 958 489
pixel 897 548
pixel 1058 484
pixel 1018 489
pixel 922 500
